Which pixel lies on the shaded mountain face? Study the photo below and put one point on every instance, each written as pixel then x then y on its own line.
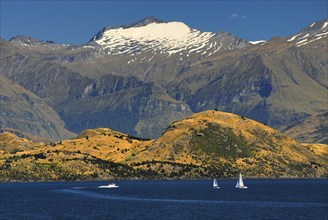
pixel 311 130
pixel 126 104
pixel 138 78
pixel 24 111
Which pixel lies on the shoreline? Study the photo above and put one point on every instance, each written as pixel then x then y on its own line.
pixel 175 179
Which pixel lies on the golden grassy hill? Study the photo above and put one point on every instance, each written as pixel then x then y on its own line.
pixel 204 145
pixel 319 149
pixel 228 143
pixel 11 143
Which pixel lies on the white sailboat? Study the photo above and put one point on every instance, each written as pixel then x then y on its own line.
pixel 215 184
pixel 240 183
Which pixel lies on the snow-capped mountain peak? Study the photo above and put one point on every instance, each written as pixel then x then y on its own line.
pixel 314 32
pixel 156 36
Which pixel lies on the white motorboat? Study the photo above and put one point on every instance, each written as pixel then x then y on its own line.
pixel 111 185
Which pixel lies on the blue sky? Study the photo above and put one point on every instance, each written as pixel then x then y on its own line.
pixel 75 22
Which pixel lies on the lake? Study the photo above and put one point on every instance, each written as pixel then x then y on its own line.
pixel 184 199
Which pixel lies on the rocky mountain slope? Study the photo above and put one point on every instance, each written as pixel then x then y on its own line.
pixel 24 111
pixel 311 130
pixel 204 145
pixel 139 78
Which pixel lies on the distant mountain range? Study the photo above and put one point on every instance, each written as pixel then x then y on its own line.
pixel 139 78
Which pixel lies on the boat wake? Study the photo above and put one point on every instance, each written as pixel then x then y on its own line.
pixel 189 201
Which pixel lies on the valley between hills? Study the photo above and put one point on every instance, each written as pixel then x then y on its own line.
pixel 204 145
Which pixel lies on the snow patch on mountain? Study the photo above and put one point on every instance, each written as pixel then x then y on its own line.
pixel 258 42
pixel 171 38
pixel 165 38
pixel 312 33
pixel 294 37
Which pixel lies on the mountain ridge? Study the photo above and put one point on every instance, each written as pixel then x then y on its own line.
pixel 143 22
pixel 279 82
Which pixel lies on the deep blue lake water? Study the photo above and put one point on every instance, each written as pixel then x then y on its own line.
pixel 192 199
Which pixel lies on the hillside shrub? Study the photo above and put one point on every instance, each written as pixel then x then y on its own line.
pixel 219 142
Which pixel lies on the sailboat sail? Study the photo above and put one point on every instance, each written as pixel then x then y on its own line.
pixel 240 183
pixel 215 183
